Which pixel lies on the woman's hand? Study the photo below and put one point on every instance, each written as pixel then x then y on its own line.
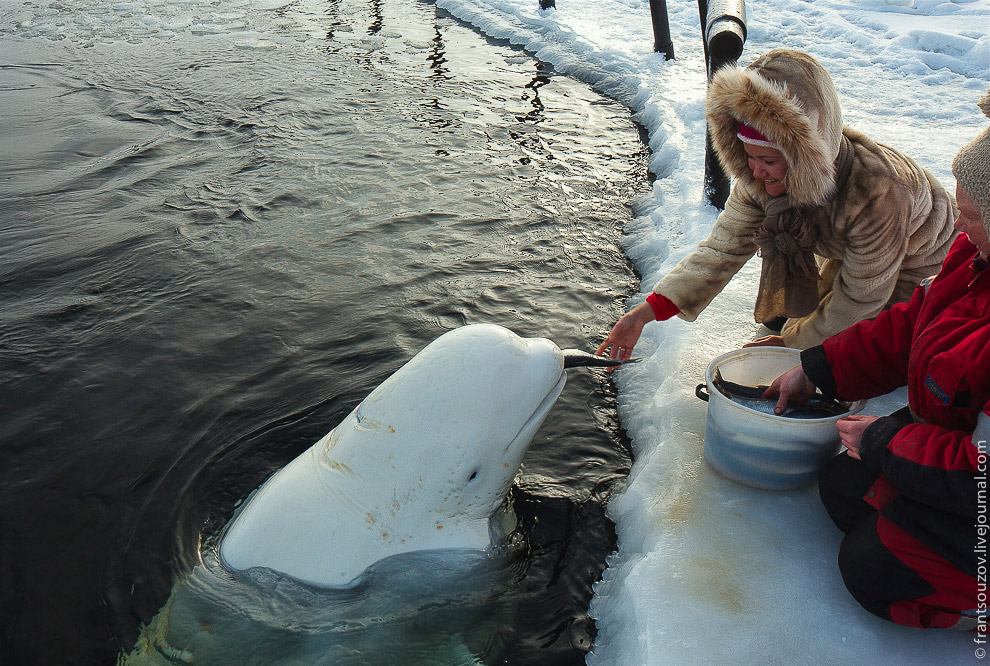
pixel 794 386
pixel 851 431
pixel 626 332
pixel 767 341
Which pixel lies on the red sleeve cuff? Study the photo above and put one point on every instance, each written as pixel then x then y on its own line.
pixel 663 307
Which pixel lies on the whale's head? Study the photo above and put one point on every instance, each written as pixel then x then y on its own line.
pixel 456 420
pixel 421 463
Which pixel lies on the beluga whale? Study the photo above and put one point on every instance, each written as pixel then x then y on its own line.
pixel 421 464
pixel 386 532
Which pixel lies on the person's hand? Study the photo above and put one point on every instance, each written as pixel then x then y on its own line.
pixel 767 341
pixel 792 386
pixel 626 331
pixel 851 431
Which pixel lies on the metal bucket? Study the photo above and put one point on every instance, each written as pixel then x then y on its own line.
pixel 764 450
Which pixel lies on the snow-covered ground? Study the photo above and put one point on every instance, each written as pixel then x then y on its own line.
pixel 707 571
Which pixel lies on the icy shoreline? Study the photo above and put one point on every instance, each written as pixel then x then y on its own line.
pixel 707 571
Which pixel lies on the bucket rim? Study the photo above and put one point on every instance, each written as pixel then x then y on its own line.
pixel 856 406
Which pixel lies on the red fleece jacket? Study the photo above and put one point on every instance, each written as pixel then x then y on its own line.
pixel 938 345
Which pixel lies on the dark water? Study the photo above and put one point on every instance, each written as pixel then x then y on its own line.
pixel 209 253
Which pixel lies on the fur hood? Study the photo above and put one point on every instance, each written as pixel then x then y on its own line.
pixel 790 98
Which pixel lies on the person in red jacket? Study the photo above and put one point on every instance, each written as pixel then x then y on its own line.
pixel 910 490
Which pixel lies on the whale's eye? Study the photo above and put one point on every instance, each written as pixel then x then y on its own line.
pixel 474 475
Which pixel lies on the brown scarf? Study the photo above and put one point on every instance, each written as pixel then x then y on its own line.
pixel 787 240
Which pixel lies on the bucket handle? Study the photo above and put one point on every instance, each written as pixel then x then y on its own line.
pixel 701 390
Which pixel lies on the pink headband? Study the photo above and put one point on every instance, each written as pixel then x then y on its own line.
pixel 749 134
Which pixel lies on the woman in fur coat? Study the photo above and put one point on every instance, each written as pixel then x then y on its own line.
pixel 845 226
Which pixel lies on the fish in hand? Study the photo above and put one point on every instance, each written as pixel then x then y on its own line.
pixel 752 397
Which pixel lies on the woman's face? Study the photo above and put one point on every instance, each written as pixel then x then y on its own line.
pixel 768 166
pixel 970 222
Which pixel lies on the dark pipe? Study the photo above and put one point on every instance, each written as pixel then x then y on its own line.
pixel 703 10
pixel 717 184
pixel 548 4
pixel 575 358
pixel 661 29
pixel 724 32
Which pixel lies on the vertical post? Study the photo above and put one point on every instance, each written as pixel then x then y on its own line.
pixel 703 10
pixel 717 184
pixel 548 4
pixel 661 29
pixel 723 26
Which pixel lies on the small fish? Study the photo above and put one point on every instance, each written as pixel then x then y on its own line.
pixel 751 397
pixel 575 358
pixel 767 405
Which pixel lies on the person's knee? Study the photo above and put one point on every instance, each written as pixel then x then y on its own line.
pixel 830 480
pixel 842 482
pixel 874 576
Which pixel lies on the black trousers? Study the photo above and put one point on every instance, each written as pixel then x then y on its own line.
pixel 885 569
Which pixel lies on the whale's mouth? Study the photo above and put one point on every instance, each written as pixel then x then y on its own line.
pixel 533 423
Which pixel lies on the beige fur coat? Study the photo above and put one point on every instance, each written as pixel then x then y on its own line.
pixel 891 220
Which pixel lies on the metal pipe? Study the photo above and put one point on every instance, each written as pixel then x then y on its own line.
pixel 717 185
pixel 703 10
pixel 724 34
pixel 661 29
